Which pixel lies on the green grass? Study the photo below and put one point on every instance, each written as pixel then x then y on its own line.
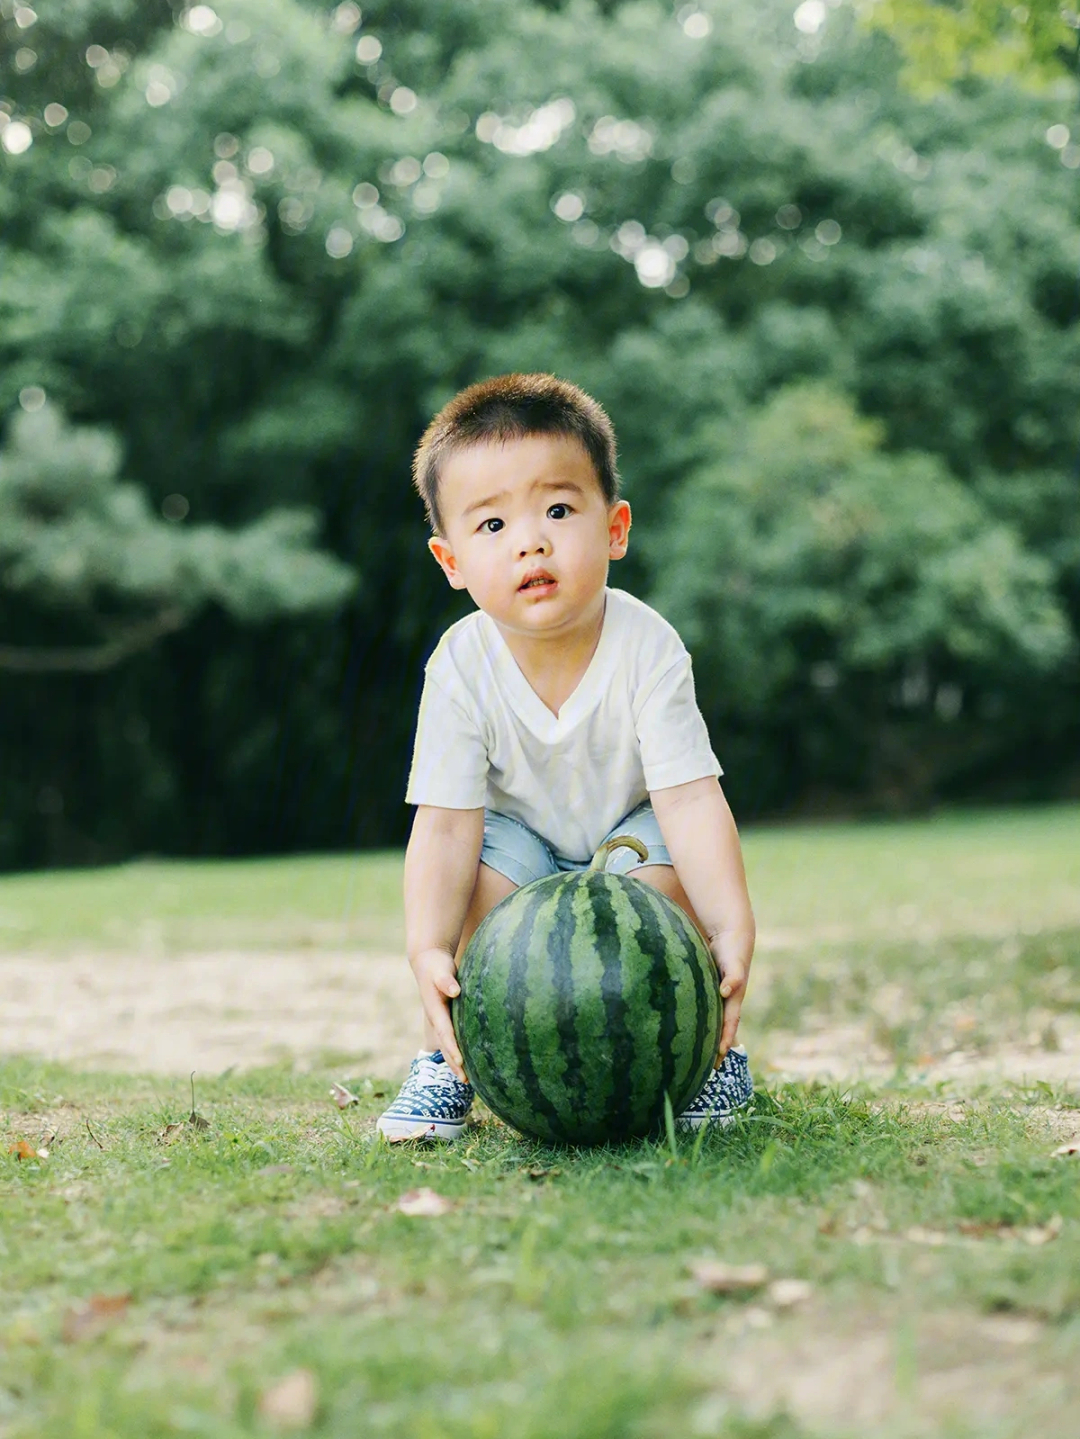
pixel 267 903
pixel 994 872
pixel 939 1236
pixel 555 1297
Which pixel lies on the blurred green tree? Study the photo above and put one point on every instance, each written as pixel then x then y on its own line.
pixel 943 41
pixel 85 550
pixel 871 594
pixel 262 241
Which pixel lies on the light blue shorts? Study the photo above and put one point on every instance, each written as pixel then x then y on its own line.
pixel 521 855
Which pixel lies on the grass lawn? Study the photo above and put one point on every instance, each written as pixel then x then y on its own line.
pixel 914 1240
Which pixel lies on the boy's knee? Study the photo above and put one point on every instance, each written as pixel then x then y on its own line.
pixel 663 878
pixel 491 888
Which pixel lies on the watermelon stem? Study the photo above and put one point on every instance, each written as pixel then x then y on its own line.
pixel 617 841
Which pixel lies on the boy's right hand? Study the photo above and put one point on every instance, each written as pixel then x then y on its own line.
pixel 436 976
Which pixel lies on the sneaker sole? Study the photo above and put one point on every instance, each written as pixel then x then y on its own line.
pixel 720 1121
pixel 392 1127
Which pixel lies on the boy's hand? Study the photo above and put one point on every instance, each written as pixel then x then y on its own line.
pixel 733 962
pixel 437 978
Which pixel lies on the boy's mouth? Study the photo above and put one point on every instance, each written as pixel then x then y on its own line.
pixel 539 579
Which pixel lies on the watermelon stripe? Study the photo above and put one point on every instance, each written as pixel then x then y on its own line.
pixel 608 943
pixel 512 1087
pixel 489 1029
pixel 645 1077
pixel 662 986
pixel 546 1115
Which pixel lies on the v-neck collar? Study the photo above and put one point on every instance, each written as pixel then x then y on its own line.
pixel 528 705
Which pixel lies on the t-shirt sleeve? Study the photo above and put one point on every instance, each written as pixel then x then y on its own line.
pixel 674 741
pixel 450 760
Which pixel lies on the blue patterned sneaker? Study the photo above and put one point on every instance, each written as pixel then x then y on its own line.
pixel 431 1104
pixel 727 1090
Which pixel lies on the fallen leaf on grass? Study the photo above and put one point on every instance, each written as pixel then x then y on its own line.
pixel 417 1136
pixel 170 1133
pixel 342 1097
pixel 291 1402
pixel 538 1174
pixel 1066 1151
pixel 720 1278
pixel 84 1321
pixel 23 1149
pixel 423 1204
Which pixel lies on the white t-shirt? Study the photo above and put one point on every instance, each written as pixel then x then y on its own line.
pixel 485 738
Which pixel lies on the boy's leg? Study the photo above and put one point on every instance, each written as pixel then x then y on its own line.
pixel 664 878
pixel 433 1103
pixel 490 889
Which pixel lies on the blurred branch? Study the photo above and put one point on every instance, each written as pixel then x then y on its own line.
pixel 92 659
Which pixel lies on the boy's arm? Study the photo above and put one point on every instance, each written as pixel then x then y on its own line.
pixel 441 865
pixel 700 834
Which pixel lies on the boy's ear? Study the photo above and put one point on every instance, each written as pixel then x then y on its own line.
pixel 444 555
pixel 618 529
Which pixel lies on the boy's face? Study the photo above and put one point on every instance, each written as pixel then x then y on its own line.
pixel 528 532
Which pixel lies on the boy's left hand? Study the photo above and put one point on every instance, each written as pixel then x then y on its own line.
pixel 733 963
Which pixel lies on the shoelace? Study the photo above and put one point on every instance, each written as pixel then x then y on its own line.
pixel 431 1073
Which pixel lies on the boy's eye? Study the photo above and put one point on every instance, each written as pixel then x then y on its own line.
pixel 492 526
pixel 558 512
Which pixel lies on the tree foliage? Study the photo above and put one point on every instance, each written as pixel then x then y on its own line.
pixel 944 41
pixel 260 242
pixel 83 547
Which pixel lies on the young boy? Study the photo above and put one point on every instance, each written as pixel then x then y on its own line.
pixel 558 714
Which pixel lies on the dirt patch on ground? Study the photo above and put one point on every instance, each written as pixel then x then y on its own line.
pixel 169 1014
pixel 871 1370
pixel 210 1012
pixel 845 1053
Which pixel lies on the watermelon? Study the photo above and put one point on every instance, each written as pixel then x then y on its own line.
pixel 586 998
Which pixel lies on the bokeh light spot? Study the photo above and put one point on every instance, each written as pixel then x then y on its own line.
pixel 695 23
pixel 810 16
pixel 364 196
pixel 403 100
pixel 78 132
pixel 569 207
pixel 436 165
pixel 55 114
pixel 260 160
pixel 31 398
pixel 368 49
pixel 828 232
pixel 1057 136
pixel 175 508
pixel 346 18
pixel 655 267
pixel 101 178
pixel 339 242
pixel 17 137
pixel 201 20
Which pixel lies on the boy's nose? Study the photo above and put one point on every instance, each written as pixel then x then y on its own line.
pixel 539 546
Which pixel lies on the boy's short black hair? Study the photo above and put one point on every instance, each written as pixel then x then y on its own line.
pixel 511 407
